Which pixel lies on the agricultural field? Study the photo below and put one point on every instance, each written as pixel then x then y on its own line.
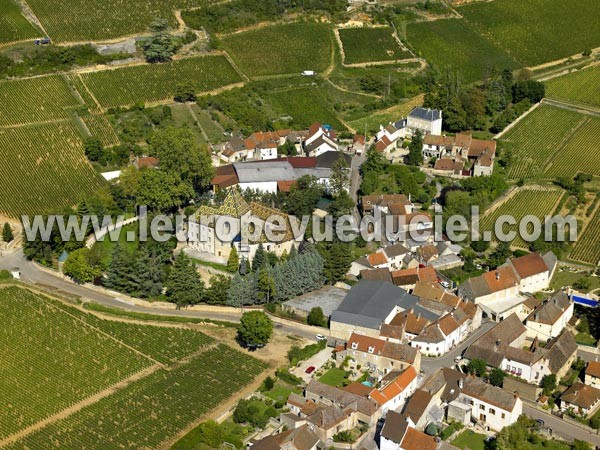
pixel 536 201
pixel 578 155
pixel 362 45
pixel 587 248
pixel 374 120
pixel 453 44
pixel 80 20
pixel 582 87
pixel 534 141
pixel 149 83
pixel 305 106
pixel 99 127
pixel 281 49
pixel 51 360
pixel 43 169
pixel 35 100
pixel 13 26
pixel 153 410
pixel 535 31
pixel 213 129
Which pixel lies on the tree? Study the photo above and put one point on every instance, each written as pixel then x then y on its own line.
pixel 93 148
pixel 185 92
pixel 7 234
pixel 265 284
pixel 477 367
pixel 161 191
pixel 337 258
pixel 455 116
pixel 496 377
pixel 233 262
pixel 268 383
pixel 480 245
pixel 78 266
pixel 548 384
pixel 180 155
pixel 184 285
pixel 499 255
pixel 216 292
pixel 581 445
pixel 473 102
pixel 241 291
pixel 161 46
pixel 415 150
pixel 342 204
pixel 303 196
pixel 255 329
pixel 583 325
pixel 259 259
pixel 339 180
pixel 316 317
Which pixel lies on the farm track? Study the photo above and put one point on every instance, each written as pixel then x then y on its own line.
pixel 571 106
pixel 195 117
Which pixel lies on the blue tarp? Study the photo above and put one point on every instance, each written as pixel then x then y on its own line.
pixel 585 301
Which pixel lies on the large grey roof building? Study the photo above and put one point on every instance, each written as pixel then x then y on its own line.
pixel 369 304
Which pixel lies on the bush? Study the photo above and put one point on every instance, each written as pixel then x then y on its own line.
pixel 297 354
pixel 288 378
pixel 316 317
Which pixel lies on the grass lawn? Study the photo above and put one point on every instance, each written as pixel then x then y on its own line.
pixel 333 377
pixel 107 246
pixel 469 439
pixel 281 391
pixel 585 339
pixel 564 278
pixel 210 264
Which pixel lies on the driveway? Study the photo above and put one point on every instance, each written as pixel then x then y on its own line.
pixel 316 360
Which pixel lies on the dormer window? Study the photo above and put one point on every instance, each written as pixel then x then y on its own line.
pixel 354 345
pixel 371 349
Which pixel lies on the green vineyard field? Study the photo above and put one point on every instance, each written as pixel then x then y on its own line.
pixel 526 201
pixel 51 360
pixel 13 26
pixel 579 154
pixel 281 49
pixel 535 31
pixel 158 82
pixel 370 44
pixel 305 106
pixel 35 100
pixel 582 87
pixel 535 140
pixel 99 127
pixel 452 43
pixel 154 409
pixel 43 169
pixel 587 248
pixel 80 20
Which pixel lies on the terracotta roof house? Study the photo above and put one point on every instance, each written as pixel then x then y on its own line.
pixel 404 326
pixel 581 399
pixel 534 270
pixel 382 274
pixel 417 406
pixel 382 201
pixel 378 260
pixel 408 278
pixel 398 433
pixel 592 374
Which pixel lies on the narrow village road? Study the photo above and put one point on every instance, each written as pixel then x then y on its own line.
pixel 559 428
pixel 32 274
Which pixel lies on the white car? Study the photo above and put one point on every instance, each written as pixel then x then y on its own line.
pixel 320 337
pixel 458 359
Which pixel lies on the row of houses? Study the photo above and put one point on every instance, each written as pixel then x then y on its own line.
pixel 431 320
pixel 454 154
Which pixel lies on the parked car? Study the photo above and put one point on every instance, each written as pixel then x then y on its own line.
pixel 310 369
pixel 320 337
pixel 457 359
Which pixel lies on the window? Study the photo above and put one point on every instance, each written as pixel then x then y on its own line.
pixel 503 416
pixel 371 349
pixel 492 411
pixel 354 345
pixel 481 407
pixel 471 402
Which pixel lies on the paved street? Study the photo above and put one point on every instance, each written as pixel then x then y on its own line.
pixel 559 427
pixel 430 364
pixel 31 274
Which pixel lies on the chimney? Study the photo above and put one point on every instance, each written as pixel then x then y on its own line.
pixel 461 383
pixel 497 275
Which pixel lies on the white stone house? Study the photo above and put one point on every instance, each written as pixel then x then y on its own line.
pixel 550 318
pixel 491 407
